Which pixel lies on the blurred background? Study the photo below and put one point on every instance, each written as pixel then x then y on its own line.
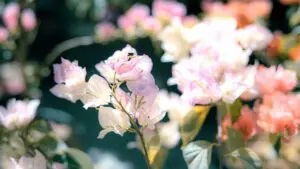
pixel 61 20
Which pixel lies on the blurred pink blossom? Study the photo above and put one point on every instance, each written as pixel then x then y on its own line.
pixel 166 9
pixel 12 78
pixel 10 16
pixel 18 113
pixel 138 13
pixel 190 20
pixel 151 24
pixel 3 34
pixel 28 20
pixel 126 24
pixel 105 31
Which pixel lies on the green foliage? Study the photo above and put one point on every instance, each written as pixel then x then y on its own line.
pixel 235 140
pixel 198 154
pixel 248 158
pixel 192 123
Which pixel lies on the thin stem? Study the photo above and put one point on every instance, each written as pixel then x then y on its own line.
pixel 136 128
pixel 219 138
pixel 67 45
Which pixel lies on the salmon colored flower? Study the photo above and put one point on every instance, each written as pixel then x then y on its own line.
pixel 270 80
pixel 294 53
pixel 222 128
pixel 275 116
pixel 290 2
pixel 242 11
pixel 246 123
pixel 274 47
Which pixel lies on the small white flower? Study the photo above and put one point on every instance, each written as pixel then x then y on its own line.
pixel 18 113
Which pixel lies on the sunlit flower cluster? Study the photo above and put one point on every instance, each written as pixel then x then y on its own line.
pixel 117 108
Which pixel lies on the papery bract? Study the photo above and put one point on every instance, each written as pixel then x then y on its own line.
pixel 97 93
pixel 28 20
pixel 69 72
pixel 71 80
pixel 18 113
pixel 112 120
pixel 143 86
pixel 147 110
pixel 127 65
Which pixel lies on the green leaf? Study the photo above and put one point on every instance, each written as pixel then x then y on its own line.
pixel 37 130
pixel 192 123
pixel 235 110
pixel 156 152
pixel 80 157
pixel 235 139
pixel 48 145
pixel 197 154
pixel 247 157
